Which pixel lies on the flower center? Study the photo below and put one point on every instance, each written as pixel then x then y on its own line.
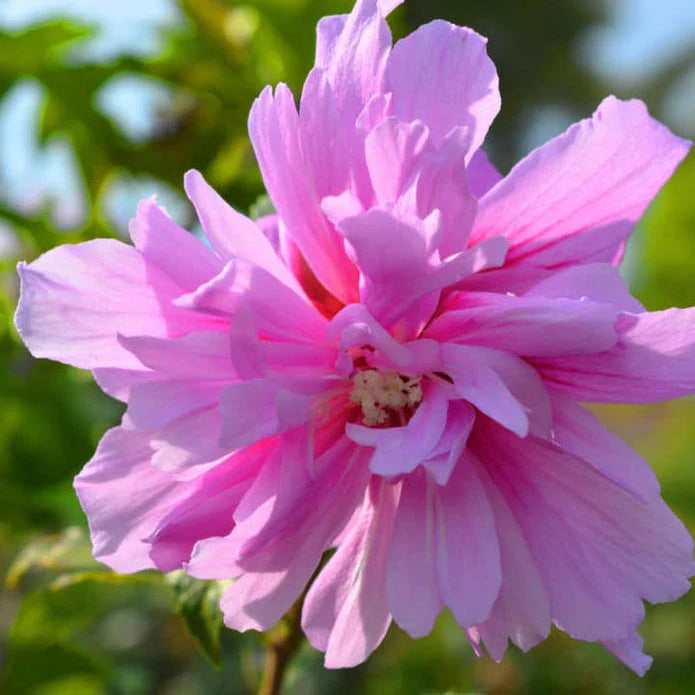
pixel 385 397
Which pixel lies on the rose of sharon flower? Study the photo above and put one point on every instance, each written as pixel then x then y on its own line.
pixel 390 368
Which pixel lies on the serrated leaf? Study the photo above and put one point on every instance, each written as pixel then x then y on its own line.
pixel 197 602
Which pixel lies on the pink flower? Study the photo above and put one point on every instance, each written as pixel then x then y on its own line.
pixel 390 367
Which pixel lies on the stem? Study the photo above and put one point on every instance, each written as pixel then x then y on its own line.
pixel 281 644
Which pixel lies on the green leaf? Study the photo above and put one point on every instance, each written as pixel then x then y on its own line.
pixel 198 604
pixel 661 264
pixel 59 561
pixel 50 557
pixel 261 207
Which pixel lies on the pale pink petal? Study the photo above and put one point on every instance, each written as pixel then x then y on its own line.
pixel 468 554
pixel 184 445
pixel 522 609
pixel 454 270
pixel 393 256
pixel 75 300
pixel 442 185
pixel 395 151
pixel 345 613
pixel 411 579
pixel 653 360
pixel 442 75
pixel 599 282
pixel 206 512
pixel 354 59
pixel 154 404
pixel 280 556
pixel 138 496
pixel 204 356
pixel 274 132
pixel 577 198
pixel 459 423
pixel 580 433
pixel 259 408
pixel 526 326
pixel 481 174
pixel 399 450
pixel 480 385
pixel 233 235
pixel 324 142
pixel 257 600
pixel 187 261
pixel 487 254
pixel 630 652
pixel 599 550
pixel 354 326
pixel 525 384
pixel 279 313
pixel 118 383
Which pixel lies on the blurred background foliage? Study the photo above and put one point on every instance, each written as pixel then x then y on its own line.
pixel 106 123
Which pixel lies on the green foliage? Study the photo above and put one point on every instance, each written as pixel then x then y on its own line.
pixel 664 263
pixel 198 604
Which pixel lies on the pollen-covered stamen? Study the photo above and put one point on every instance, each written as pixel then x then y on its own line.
pixel 382 395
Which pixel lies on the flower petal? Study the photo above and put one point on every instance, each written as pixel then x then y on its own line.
pixel 411 578
pixel 481 174
pixel 345 612
pixel 395 151
pixel 75 300
pixel 522 609
pixel 185 259
pixel 653 360
pixel 442 75
pixel 480 385
pixel 580 433
pixel 577 198
pixel 526 326
pixel 274 132
pixel 599 282
pixel 399 450
pixel 125 497
pixel 232 234
pixel 468 554
pixel 278 312
pixel 442 185
pixel 599 550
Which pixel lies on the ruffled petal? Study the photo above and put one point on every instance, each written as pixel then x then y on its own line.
pixel 139 495
pixel 526 326
pixel 399 450
pixel 576 199
pixel 277 311
pixel 75 300
pixel 580 433
pixel 233 235
pixel 395 150
pixel 600 551
pixel 185 259
pixel 654 360
pixel 468 553
pixel 274 132
pixel 345 612
pixel 521 612
pixel 599 282
pixel 481 385
pixel 411 578
pixel 442 75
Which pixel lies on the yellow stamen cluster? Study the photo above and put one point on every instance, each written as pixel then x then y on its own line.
pixel 380 393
